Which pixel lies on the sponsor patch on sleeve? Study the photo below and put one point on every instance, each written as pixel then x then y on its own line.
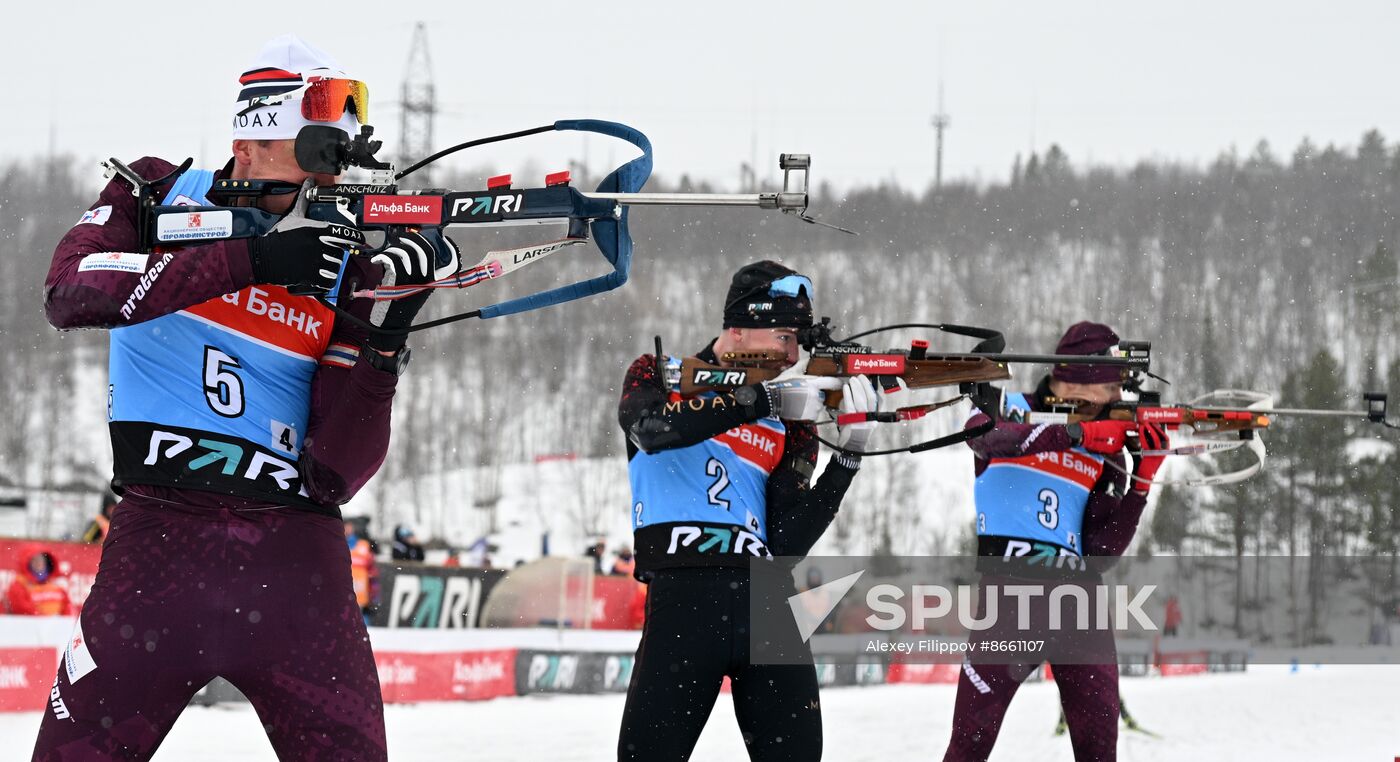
pixel 194 226
pixel 77 659
pixel 96 216
pixel 115 261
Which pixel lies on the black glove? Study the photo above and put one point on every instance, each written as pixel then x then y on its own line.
pixel 302 252
pixel 409 259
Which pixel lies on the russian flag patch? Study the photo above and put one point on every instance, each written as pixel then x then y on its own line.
pixel 341 355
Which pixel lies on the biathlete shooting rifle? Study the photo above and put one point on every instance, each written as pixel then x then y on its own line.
pixel 917 367
pixel 1206 425
pixel 380 205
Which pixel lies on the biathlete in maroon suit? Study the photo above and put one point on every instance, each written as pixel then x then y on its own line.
pixel 241 417
pixel 1052 491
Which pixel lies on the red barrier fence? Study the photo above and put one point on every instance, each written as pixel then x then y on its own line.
pixel 25 677
pixel 406 676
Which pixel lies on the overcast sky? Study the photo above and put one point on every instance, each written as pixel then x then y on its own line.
pixel 853 83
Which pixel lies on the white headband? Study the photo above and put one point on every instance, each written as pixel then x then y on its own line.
pixel 283 121
pixel 282 67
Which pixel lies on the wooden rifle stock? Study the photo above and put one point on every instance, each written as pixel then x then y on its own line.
pixel 1202 420
pixel 749 368
pixel 699 376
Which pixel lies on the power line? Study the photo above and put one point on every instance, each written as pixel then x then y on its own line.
pixel 417 105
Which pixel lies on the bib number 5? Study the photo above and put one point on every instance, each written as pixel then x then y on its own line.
pixel 223 389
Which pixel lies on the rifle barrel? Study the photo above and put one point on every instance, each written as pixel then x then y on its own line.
pixel 1053 359
pixel 795 201
pixel 1305 411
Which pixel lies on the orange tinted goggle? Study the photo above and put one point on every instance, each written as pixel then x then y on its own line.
pixel 325 100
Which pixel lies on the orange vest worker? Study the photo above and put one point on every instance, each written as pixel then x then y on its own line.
pixel 37 590
pixel 362 571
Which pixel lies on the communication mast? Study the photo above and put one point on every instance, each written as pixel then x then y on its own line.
pixel 417 106
pixel 940 123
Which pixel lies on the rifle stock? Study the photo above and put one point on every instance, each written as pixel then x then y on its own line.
pixel 1201 420
pixel 698 376
pixel 744 368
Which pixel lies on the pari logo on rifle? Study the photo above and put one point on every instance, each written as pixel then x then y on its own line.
pixel 719 377
pixel 473 208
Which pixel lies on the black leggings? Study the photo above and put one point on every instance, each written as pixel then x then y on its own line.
pixel 696 633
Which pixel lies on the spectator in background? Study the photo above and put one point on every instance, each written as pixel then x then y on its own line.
pixel 625 564
pixel 96 531
pixel 38 589
pixel 595 552
pixel 406 545
pixel 1172 621
pixel 362 529
pixel 364 575
pixel 479 553
pixel 818 602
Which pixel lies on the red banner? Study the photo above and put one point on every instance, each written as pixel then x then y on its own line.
pixel 77 563
pixel 916 672
pixel 617 603
pixel 26 675
pixel 1173 664
pixel 407 676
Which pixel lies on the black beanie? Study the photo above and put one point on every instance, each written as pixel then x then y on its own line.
pixel 750 305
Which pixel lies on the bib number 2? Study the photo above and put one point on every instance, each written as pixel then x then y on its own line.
pixel 716 469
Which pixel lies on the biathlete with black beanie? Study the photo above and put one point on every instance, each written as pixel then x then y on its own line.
pixel 1052 491
pixel 241 416
pixel 717 480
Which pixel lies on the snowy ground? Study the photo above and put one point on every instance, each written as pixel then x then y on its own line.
pixel 1330 712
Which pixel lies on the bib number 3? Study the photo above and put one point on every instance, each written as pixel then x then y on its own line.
pixel 1050 517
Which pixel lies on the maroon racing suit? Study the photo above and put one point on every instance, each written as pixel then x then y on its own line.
pixel 197 580
pixel 1088 687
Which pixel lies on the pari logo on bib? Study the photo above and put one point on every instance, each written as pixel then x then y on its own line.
pixel 292 85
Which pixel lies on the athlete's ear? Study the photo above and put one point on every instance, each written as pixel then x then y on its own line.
pixel 243 152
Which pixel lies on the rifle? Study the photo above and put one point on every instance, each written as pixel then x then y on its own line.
pixel 1205 428
pixel 914 368
pixel 380 205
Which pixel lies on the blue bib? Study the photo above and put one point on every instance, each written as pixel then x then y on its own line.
pixel 1037 498
pixel 706 504
pixel 216 395
pixel 723 480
